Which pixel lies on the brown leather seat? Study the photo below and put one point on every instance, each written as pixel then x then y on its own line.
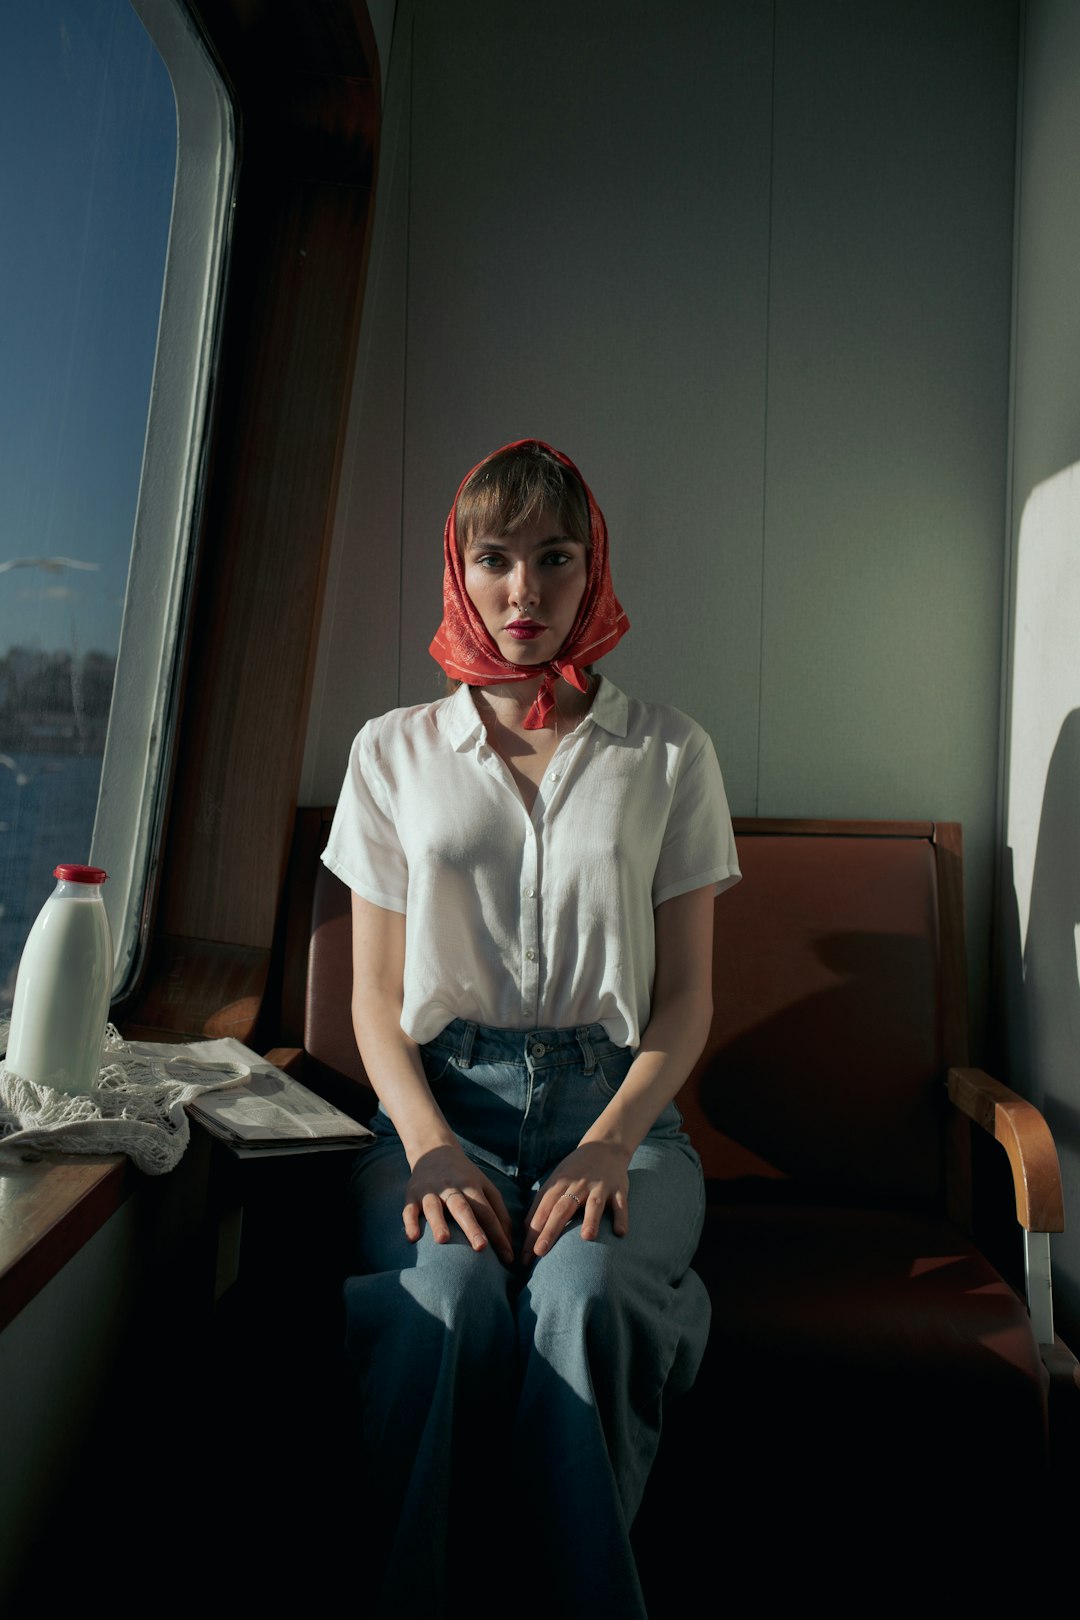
pixel 859 1331
pixel 865 1354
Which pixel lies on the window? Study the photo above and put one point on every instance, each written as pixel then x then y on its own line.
pixel 117 167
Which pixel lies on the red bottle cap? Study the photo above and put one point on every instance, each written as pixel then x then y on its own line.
pixel 80 874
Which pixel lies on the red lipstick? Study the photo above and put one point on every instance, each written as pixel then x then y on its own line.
pixel 525 629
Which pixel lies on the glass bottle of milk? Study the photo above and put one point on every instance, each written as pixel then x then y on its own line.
pixel 63 986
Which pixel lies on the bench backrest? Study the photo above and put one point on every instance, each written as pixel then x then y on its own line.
pixel 839 1000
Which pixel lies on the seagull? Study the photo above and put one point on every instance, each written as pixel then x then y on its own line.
pixel 49 565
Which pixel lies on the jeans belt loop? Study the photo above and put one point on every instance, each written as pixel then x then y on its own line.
pixel 465 1055
pixel 586 1048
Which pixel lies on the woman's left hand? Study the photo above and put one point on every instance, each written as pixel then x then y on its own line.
pixel 587 1181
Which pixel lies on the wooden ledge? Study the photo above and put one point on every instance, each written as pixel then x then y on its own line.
pixel 48 1210
pixel 50 1207
pixel 800 827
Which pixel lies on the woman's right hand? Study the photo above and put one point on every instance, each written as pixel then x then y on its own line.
pixel 441 1167
pixel 445 1183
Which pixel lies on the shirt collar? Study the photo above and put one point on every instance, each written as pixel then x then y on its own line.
pixel 609 708
pixel 461 721
pixel 463 725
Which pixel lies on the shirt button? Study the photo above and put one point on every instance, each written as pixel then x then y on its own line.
pixel 539 1049
pixel 554 777
pixel 530 894
pixel 530 956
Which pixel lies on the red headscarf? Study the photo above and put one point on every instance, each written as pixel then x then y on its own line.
pixel 467 652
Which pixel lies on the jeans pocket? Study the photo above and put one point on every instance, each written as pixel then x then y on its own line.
pixel 436 1060
pixel 612 1068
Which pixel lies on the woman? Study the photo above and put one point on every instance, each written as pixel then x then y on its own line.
pixel 533 862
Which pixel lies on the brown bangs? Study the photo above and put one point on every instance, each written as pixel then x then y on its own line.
pixel 513 487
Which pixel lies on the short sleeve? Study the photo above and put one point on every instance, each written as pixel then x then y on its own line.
pixel 698 848
pixel 364 849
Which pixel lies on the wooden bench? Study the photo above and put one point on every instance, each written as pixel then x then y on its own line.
pixel 860 1331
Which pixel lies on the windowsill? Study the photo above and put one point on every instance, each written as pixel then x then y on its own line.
pixel 51 1207
pixel 48 1210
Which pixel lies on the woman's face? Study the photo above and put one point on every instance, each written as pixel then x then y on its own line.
pixel 527 587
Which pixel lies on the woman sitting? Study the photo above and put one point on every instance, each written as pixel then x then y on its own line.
pixel 533 862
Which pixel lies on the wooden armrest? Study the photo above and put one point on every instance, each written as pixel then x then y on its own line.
pixel 1025 1136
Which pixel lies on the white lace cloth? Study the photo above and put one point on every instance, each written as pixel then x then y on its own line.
pixel 137 1106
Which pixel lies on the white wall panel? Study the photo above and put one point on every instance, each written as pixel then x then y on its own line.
pixel 781 362
pixel 588 258
pixel 888 400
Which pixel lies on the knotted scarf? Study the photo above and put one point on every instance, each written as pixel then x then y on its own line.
pixel 467 652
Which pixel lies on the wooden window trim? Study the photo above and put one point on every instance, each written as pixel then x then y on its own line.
pixel 306 84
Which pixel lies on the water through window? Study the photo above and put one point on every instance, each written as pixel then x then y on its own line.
pixel 87 164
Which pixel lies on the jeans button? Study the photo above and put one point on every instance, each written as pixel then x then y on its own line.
pixel 539 1049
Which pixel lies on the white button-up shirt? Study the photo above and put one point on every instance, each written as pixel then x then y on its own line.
pixel 542 919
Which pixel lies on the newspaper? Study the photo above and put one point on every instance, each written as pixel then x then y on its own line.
pixel 264 1109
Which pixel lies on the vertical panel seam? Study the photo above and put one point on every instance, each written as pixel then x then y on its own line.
pixel 765 418
pixel 410 132
pixel 997 1032
pixel 1008 583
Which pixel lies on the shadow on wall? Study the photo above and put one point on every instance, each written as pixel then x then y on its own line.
pixel 1042 985
pixel 1051 966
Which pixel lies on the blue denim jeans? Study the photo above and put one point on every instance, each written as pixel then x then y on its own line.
pixel 512 1415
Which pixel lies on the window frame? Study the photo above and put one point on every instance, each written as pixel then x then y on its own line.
pixel 142 718
pixel 306 80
